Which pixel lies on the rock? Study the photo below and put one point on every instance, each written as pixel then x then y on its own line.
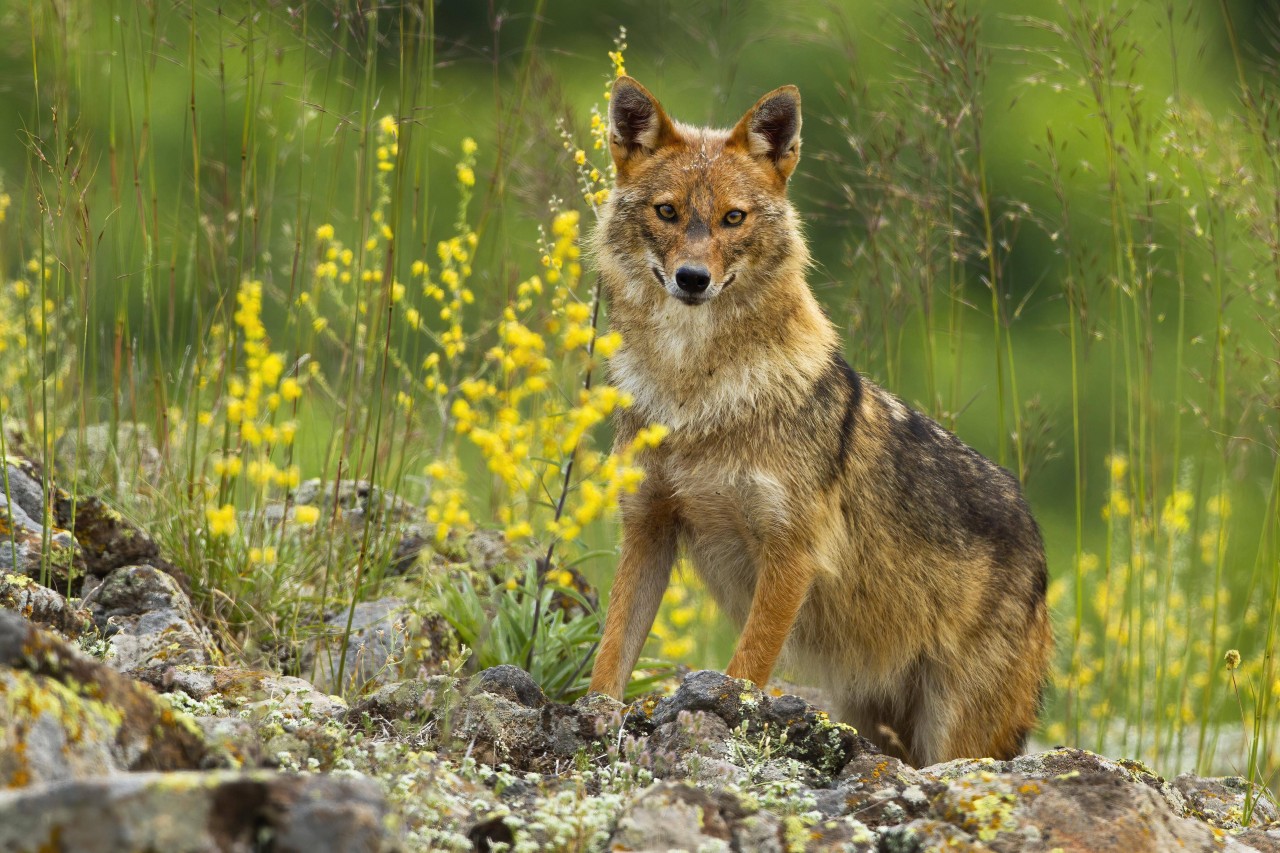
pixel 108 540
pixel 409 702
pixel 510 682
pixel 922 835
pixel 88 537
pixel 677 816
pixel 180 812
pixel 22 545
pixel 251 690
pixel 1262 840
pixel 379 632
pixel 1060 762
pixel 600 705
pixel 355 498
pixel 24 487
pixel 1078 811
pixel 405 556
pixel 880 790
pixel 495 730
pixel 1221 801
pixel 43 606
pixel 810 736
pixel 51 733
pixel 841 835
pixel 148 620
pixel 68 716
pixel 487 549
pixel 128 450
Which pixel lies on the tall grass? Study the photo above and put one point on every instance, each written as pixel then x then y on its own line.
pixel 306 243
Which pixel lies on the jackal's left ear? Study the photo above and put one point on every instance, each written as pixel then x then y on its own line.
pixel 770 130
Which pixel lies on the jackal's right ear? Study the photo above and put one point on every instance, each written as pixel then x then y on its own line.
pixel 638 126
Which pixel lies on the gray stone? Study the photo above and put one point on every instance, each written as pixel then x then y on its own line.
pixel 1221 800
pixel 199 813
pixel 675 816
pixel 798 730
pixel 495 730
pixel 376 646
pixel 25 490
pixel 107 539
pixel 510 682
pixel 252 690
pixel 411 702
pixel 148 620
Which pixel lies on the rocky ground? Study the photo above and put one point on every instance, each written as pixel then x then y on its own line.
pixel 125 729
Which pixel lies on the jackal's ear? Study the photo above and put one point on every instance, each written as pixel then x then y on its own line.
pixel 638 126
pixel 770 130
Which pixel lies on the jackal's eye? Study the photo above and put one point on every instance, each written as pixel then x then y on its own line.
pixel 734 217
pixel 667 212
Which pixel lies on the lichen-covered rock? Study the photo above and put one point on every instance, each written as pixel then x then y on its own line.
pixel 840 835
pixel 498 731
pixel 199 813
pixel 1060 762
pixel 379 632
pixel 49 732
pixel 148 620
pixel 107 539
pixel 41 605
pixel 64 715
pixel 1262 840
pixel 251 690
pixel 880 790
pixel 810 736
pixel 1221 800
pixel 927 834
pixel 1073 813
pixel 407 703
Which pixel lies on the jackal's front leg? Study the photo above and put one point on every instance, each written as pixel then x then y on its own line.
pixel 648 551
pixel 781 587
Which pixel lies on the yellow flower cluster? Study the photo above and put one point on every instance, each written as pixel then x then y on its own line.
pixel 255 392
pixel 5 201
pixel 594 182
pixel 512 414
pixel 388 144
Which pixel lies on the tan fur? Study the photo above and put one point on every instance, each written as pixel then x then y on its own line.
pixel 846 534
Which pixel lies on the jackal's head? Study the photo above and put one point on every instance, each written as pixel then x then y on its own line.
pixel 700 214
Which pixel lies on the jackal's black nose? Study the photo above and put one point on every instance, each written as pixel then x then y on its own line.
pixel 693 279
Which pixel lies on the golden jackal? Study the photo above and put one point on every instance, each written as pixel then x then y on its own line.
pixel 834 524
